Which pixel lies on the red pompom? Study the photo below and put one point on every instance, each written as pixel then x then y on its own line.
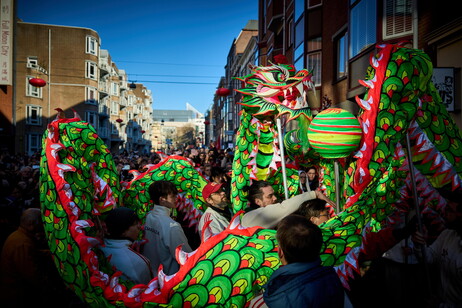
pixel 280 59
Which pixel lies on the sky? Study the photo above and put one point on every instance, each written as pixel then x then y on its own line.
pixel 177 49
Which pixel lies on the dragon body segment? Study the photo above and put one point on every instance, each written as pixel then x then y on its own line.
pixel 79 183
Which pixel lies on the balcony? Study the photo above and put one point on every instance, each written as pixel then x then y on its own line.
pixel 104 66
pixel 103 89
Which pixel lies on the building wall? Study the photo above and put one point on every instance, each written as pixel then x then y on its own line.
pixel 62 57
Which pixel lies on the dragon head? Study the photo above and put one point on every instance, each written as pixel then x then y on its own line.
pixel 275 90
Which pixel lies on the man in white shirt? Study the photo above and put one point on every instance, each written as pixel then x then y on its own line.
pixel 164 234
pixel 215 217
pixel 266 212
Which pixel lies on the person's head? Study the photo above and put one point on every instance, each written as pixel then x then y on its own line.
pixel 25 172
pixel 208 170
pixel 311 173
pixel 261 194
pixel 31 221
pixel 453 211
pixel 299 240
pixel 214 194
pixel 302 175
pixel 314 210
pixel 122 223
pixel 163 193
pixel 217 174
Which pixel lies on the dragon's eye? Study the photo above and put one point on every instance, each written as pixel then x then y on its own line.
pixel 274 76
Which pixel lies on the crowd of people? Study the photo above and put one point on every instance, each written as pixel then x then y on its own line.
pixel 301 281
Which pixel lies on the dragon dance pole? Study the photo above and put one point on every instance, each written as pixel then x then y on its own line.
pixel 337 185
pixel 417 207
pixel 283 161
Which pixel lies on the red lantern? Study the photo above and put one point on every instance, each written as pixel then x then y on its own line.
pixel 119 120
pixel 37 82
pixel 206 122
pixel 223 92
pixel 143 131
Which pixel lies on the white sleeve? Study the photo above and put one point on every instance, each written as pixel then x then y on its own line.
pixel 268 217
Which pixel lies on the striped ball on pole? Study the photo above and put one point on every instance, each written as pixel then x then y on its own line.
pixel 334 133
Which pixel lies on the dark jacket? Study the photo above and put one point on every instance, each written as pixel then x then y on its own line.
pixel 304 285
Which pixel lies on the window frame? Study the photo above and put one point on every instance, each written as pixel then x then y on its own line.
pixel 89 49
pixel 38 140
pixel 89 65
pixel 31 90
pixel 394 16
pixel 342 34
pixel 88 99
pixel 88 115
pixel 29 117
pixel 366 25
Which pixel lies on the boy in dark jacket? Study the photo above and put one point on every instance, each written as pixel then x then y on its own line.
pixel 301 281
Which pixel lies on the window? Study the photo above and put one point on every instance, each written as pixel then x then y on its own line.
pixel 91 70
pixel 114 108
pixel 91 95
pixel 32 62
pixel 314 59
pixel 290 32
pixel 92 45
pixel 129 115
pixel 299 32
pixel 398 18
pixel 92 118
pixel 114 88
pixel 34 143
pixel 31 90
pixel 341 54
pixel 299 9
pixel 363 19
pixel 298 56
pixel 33 115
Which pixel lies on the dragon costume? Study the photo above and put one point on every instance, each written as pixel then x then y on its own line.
pixel 79 184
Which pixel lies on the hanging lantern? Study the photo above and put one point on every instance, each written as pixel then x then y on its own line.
pixel 206 122
pixel 334 133
pixel 132 85
pixel 223 92
pixel 119 120
pixel 143 131
pixel 37 82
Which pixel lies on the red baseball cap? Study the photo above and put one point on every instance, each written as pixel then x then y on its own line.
pixel 210 188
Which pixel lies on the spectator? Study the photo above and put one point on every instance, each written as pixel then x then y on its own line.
pixel 123 227
pixel 164 234
pixel 208 171
pixel 314 210
pixel 217 213
pixel 301 281
pixel 446 253
pixel 303 180
pixel 20 278
pixel 265 212
pixel 313 179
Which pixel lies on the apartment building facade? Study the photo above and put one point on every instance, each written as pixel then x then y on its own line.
pixel 335 39
pixel 81 78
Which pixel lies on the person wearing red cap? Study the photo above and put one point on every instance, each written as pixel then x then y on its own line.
pixel 217 209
